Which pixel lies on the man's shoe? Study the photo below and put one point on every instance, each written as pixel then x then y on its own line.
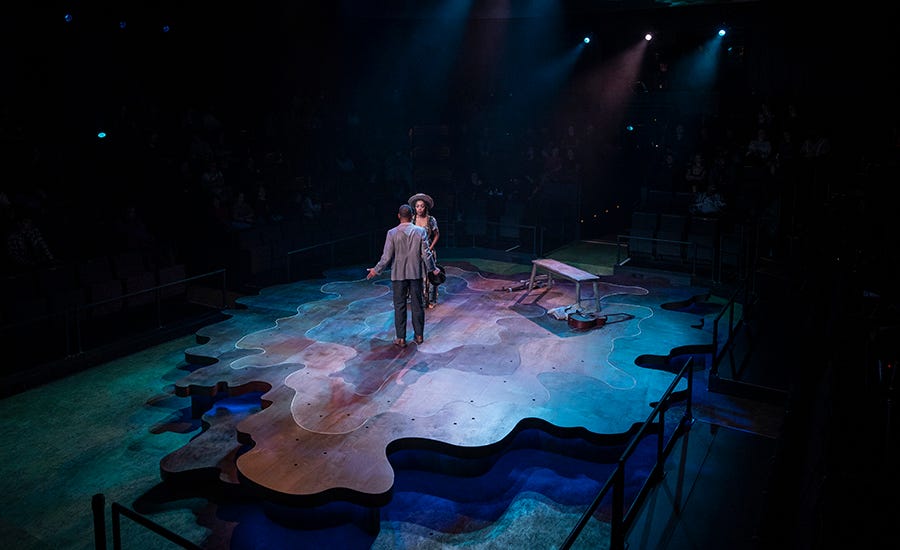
pixel 400 342
pixel 419 339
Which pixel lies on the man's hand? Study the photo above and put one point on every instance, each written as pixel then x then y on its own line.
pixel 437 271
pixel 371 273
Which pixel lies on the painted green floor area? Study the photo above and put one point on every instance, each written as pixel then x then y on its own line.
pixel 90 433
pixel 597 257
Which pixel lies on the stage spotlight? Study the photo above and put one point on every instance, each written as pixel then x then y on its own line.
pixel 648 37
pixel 68 17
pixel 101 134
pixel 721 32
pixel 587 39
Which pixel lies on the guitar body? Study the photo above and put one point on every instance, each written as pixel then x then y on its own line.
pixel 581 321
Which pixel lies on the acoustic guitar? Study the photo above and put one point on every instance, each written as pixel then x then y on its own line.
pixel 585 321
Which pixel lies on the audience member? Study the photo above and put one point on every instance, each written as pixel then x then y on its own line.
pixel 721 175
pixel 664 174
pixel 786 156
pixel 312 206
pixel 708 202
pixel 131 233
pixel 765 117
pixel 242 215
pixel 475 189
pixel 814 155
pixel 695 176
pixel 213 181
pixel 571 168
pixel 263 209
pixel 218 216
pixel 571 139
pixel 759 150
pixel 816 145
pixel 681 144
pixel 25 245
pixel 532 214
pixel 530 167
pixel 495 208
pixel 553 165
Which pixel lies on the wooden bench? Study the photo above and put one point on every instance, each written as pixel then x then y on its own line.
pixel 565 271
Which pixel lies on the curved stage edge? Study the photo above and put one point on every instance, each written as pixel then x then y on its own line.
pixel 305 401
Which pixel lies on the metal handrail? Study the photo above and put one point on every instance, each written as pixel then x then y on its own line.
pixel 84 307
pixel 728 308
pixel 72 315
pixel 622 518
pixel 537 235
pixel 287 255
pixel 622 239
pixel 98 505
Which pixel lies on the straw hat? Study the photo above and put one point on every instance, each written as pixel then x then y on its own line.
pixel 428 200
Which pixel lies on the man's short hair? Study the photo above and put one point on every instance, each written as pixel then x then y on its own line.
pixel 405 212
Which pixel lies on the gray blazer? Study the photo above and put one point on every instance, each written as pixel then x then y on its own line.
pixel 406 245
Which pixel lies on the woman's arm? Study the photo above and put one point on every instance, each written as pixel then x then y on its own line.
pixel 436 233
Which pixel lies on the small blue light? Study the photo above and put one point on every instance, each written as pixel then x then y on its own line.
pixel 68 18
pixel 122 24
pixel 165 28
pixel 629 127
pixel 587 39
pixel 721 32
pixel 101 135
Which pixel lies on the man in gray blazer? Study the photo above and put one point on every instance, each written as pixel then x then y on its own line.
pixel 406 249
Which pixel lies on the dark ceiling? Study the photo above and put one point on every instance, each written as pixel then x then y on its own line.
pixel 520 8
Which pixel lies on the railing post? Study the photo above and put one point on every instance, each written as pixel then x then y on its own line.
pixel 541 243
pixel 78 349
pixel 617 526
pixel 116 527
pixel 688 411
pixel 68 328
pixel 714 368
pixel 158 293
pixel 660 443
pixel 98 506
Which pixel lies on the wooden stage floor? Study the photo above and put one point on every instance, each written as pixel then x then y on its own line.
pixel 336 397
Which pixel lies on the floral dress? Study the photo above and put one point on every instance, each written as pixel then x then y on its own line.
pixel 431 227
